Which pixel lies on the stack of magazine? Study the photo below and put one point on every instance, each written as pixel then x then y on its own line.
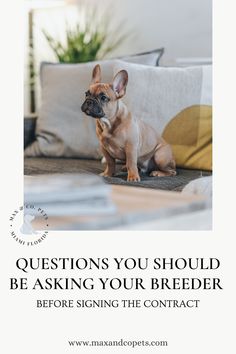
pixel 70 195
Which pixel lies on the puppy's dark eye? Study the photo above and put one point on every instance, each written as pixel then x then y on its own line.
pixel 87 93
pixel 104 98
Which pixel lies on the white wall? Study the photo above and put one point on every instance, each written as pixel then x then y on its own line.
pixel 183 27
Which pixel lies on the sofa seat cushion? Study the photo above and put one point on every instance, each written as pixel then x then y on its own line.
pixel 42 165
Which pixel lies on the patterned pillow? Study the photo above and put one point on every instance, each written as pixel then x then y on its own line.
pixel 177 102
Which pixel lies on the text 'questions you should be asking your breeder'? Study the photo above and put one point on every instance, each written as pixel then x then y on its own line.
pixel 77 266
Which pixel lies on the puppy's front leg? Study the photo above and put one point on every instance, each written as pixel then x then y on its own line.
pixel 110 164
pixel 131 162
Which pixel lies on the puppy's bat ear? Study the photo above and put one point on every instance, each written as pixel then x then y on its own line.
pixel 119 83
pixel 96 76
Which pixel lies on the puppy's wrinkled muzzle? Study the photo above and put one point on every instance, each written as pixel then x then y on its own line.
pixel 92 108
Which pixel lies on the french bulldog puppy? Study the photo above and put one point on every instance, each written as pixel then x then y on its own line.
pixel 123 136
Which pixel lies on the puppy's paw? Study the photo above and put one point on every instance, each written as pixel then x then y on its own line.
pixel 106 174
pixel 163 173
pixel 157 174
pixel 133 177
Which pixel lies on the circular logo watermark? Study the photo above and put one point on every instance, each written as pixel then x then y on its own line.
pixel 29 225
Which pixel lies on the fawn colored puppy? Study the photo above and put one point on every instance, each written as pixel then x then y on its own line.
pixel 123 136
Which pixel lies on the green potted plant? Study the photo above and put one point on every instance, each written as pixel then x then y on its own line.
pixel 89 41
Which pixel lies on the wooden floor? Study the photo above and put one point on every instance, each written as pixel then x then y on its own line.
pixel 131 199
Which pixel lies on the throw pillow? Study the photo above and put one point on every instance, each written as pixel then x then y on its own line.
pixel 62 130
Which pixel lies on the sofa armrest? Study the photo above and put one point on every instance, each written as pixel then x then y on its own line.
pixel 29 130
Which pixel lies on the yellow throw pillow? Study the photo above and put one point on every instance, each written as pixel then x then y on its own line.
pixel 190 135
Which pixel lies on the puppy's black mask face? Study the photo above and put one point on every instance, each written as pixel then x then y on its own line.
pixel 93 105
